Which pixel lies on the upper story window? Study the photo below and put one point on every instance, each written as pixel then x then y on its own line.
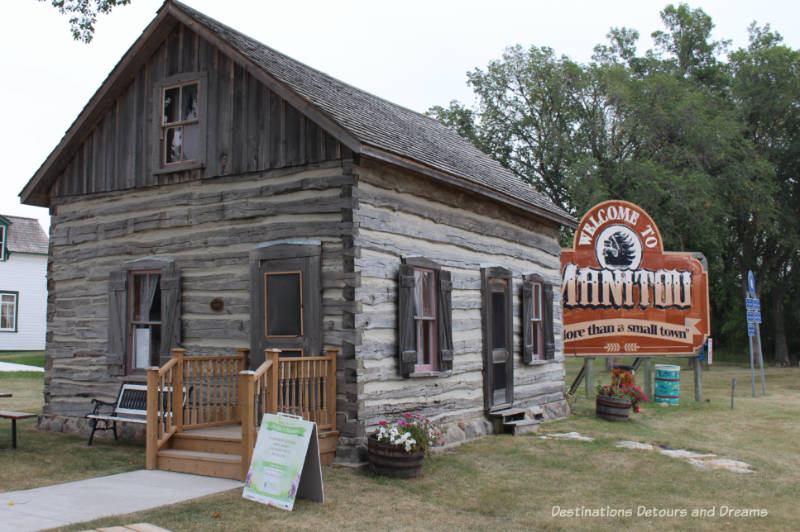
pixel 425 332
pixel 2 243
pixel 180 123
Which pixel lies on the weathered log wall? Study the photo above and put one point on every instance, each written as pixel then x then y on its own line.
pixel 400 215
pixel 208 227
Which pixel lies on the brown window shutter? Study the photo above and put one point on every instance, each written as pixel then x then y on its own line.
pixel 527 308
pixel 406 340
pixel 547 321
pixel 170 313
pixel 117 322
pixel 445 320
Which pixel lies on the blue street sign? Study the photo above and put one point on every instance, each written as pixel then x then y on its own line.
pixel 751 329
pixel 751 283
pixel 756 304
pixel 750 303
pixel 757 316
pixel 751 316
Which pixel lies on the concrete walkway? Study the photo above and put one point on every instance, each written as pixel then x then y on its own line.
pixel 11 366
pixel 85 500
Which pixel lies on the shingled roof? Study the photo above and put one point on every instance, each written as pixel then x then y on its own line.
pixel 25 235
pixel 367 124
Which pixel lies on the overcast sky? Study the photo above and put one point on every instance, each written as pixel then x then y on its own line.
pixel 414 53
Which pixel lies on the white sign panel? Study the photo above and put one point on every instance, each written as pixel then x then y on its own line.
pixel 285 462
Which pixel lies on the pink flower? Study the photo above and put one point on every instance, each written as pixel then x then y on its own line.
pixel 382 423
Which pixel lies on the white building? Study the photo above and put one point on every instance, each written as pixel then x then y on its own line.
pixel 23 284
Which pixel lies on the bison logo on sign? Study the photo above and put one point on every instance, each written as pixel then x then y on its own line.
pixel 618 248
pixel 619 288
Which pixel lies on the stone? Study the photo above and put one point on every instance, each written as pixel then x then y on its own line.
pixel 627 444
pixel 566 436
pixel 734 466
pixel 681 453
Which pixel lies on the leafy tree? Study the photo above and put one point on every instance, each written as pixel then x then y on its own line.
pixel 708 147
pixel 83 15
pixel 766 91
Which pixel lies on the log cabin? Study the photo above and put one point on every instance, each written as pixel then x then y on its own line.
pixel 230 220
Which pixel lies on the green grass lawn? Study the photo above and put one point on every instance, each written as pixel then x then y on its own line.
pixel 505 482
pixel 29 358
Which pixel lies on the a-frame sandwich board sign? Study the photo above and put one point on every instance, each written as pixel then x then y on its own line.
pixel 285 462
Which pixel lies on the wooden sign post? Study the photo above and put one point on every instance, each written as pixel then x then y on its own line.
pixel 285 462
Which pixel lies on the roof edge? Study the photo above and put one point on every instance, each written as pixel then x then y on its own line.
pixel 179 12
pixel 31 193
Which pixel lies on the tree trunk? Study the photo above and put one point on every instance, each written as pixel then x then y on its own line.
pixel 779 329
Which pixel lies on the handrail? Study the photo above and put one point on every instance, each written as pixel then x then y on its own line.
pixel 257 396
pixel 213 399
pixel 171 363
pixel 164 392
pixel 224 391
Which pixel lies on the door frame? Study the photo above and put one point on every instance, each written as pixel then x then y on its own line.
pixel 280 258
pixel 490 278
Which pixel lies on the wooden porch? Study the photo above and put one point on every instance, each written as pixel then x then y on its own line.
pixel 213 432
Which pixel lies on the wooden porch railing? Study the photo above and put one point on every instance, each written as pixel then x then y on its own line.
pixel 214 381
pixel 162 416
pixel 204 391
pixel 257 397
pixel 307 388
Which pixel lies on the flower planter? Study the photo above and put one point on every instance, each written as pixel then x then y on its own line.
pixel 612 408
pixel 393 461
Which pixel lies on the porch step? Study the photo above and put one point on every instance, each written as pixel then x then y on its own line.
pixel 516 420
pixel 522 426
pixel 210 464
pixel 224 439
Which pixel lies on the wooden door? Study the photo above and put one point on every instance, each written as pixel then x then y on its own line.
pixel 285 301
pixel 498 363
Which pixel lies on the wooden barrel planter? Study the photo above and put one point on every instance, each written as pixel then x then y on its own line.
pixel 612 408
pixel 392 461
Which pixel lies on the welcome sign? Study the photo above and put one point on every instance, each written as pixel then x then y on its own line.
pixel 621 293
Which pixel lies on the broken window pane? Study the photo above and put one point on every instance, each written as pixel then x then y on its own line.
pixel 172 145
pixel 171 104
pixel 189 102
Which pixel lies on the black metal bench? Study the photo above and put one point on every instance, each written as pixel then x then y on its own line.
pixel 130 407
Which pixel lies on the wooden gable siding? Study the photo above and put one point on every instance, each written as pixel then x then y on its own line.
pixel 249 128
pixel 401 215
